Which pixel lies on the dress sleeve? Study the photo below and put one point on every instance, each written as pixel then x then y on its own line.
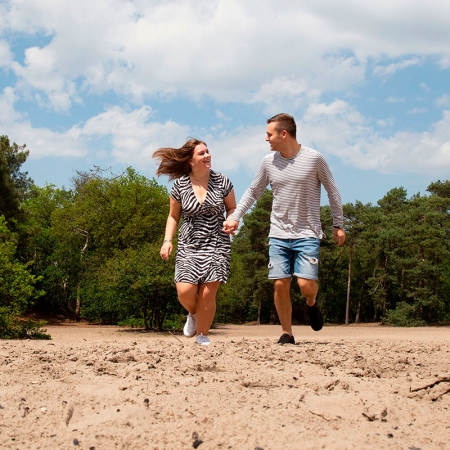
pixel 175 192
pixel 227 186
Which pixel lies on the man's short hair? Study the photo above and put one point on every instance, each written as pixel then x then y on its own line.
pixel 284 122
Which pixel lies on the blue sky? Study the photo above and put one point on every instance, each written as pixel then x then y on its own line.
pixel 105 83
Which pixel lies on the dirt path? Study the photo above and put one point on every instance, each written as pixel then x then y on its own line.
pixel 356 387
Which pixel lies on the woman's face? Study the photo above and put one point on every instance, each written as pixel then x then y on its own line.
pixel 201 159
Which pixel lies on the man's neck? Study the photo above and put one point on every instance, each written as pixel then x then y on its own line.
pixel 291 150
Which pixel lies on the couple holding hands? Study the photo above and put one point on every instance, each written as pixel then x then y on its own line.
pixel 201 196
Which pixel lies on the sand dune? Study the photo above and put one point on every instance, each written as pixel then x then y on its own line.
pixel 357 387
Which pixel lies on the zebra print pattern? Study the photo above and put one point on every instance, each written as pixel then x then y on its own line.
pixel 204 251
pixel 296 185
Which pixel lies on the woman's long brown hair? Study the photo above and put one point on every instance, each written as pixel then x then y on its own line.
pixel 174 162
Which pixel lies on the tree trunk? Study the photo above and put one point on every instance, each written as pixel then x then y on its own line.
pixel 358 309
pixel 145 315
pixel 402 284
pixel 78 303
pixel 259 313
pixel 349 281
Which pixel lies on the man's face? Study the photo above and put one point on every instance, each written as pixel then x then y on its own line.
pixel 273 137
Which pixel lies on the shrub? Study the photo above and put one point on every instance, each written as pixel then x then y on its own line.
pixel 13 328
pixel 404 315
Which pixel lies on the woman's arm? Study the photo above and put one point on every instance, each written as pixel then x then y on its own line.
pixel 230 203
pixel 171 226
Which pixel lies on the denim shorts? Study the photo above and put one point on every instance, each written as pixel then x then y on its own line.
pixel 298 257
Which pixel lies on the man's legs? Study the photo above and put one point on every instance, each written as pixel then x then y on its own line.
pixel 306 269
pixel 280 271
pixel 283 304
pixel 309 289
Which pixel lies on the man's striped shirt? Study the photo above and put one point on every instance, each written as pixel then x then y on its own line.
pixel 296 185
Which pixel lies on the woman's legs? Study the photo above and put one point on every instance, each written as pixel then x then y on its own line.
pixel 199 300
pixel 206 307
pixel 187 295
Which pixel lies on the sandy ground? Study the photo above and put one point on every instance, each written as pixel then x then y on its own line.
pixel 356 387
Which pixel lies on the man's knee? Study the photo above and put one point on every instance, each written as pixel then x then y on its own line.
pixel 307 287
pixel 282 285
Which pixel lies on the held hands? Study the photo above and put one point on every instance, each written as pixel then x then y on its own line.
pixel 339 236
pixel 230 226
pixel 166 250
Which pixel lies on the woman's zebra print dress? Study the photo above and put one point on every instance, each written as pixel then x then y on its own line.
pixel 204 251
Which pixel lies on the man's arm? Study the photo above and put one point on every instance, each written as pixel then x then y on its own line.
pixel 334 198
pixel 250 196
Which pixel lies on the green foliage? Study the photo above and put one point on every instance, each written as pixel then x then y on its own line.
pixel 17 284
pixel 248 295
pixel 74 235
pixel 404 315
pixel 17 291
pixel 13 328
pixel 14 184
pixel 93 251
pixel 174 323
pixel 132 322
pixel 42 246
pixel 132 283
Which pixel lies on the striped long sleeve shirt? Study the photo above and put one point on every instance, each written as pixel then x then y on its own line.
pixel 296 186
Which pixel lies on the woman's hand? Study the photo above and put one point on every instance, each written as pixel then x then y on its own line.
pixel 166 250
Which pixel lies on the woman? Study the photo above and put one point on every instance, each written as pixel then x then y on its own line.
pixel 200 197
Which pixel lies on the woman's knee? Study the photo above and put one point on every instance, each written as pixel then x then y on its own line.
pixel 208 290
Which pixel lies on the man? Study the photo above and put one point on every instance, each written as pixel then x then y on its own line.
pixel 295 174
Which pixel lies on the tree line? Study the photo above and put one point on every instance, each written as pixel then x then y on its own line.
pixel 91 252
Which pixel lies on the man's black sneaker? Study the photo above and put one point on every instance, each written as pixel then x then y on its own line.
pixel 315 317
pixel 286 339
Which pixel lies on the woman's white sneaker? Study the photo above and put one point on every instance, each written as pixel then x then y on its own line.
pixel 202 340
pixel 190 327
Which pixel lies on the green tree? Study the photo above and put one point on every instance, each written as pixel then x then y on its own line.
pixel 17 289
pixel 248 283
pixel 43 247
pixel 105 216
pixel 14 184
pixel 134 283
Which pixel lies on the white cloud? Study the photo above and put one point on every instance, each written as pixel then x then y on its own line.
pixel 220 115
pixel 383 123
pixel 8 114
pixel 339 129
pixel 336 128
pixel 443 101
pixel 134 137
pixel 144 48
pixel 282 91
pixel 417 111
pixel 425 87
pixel 390 69
pixel 391 99
pixel 267 55
pixel 444 61
pixel 6 56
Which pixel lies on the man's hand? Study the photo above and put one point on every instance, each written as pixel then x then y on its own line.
pixel 339 236
pixel 230 226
